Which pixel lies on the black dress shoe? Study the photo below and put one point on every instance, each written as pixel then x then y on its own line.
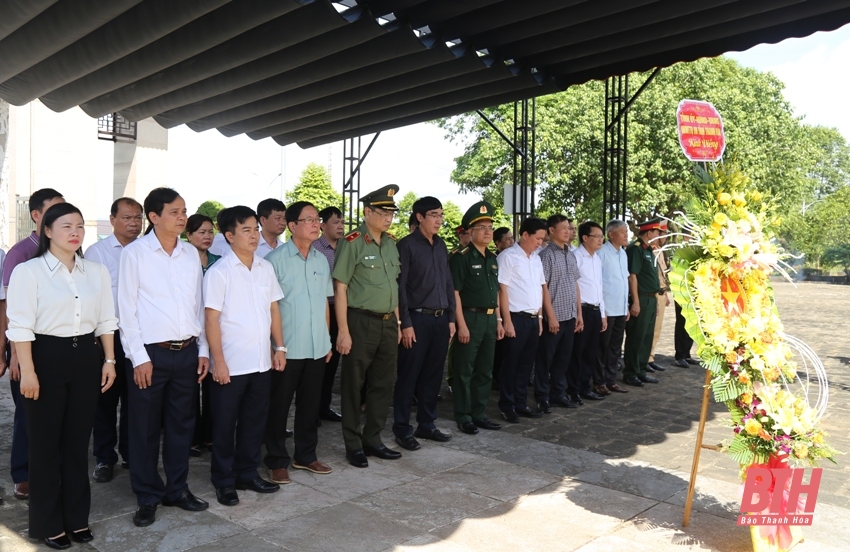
pixel 648 379
pixel 544 407
pixel 58 543
pixel 681 363
pixel 125 464
pixel 432 435
pixel 102 473
pixel 408 443
pixel 187 501
pixel 649 368
pixel 593 396
pixel 330 415
pixel 510 417
pixel 633 380
pixel 381 451
pixel 467 427
pixel 564 403
pixel 258 485
pixel 357 458
pixel 485 423
pixel 693 361
pixel 528 412
pixel 145 515
pixel 227 496
pixel 657 367
pixel 576 399
pixel 83 535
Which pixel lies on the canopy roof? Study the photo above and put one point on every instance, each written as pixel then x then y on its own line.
pixel 316 71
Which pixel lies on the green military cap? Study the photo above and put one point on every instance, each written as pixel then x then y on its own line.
pixel 382 198
pixel 478 212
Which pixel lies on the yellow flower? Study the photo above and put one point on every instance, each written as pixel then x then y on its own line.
pixel 723 199
pixel 746 398
pixel 752 426
pixel 732 358
pixel 818 438
pixel 743 378
pixel 720 218
pixel 801 450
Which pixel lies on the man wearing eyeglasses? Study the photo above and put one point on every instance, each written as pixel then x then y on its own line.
pixel 426 301
pixel 366 269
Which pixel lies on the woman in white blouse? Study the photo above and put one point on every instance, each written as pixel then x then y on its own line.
pixel 58 305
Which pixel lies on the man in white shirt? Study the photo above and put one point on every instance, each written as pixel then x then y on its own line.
pixel 615 291
pixel 586 347
pixel 272 213
pixel 521 288
pixel 126 220
pixel 162 331
pixel 240 296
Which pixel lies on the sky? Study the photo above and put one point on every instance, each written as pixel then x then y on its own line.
pixel 420 159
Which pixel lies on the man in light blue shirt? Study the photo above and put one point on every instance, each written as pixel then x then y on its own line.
pixel 615 290
pixel 305 278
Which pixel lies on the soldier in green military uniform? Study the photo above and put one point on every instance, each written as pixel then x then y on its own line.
pixel 644 289
pixel 475 275
pixel 461 231
pixel 366 268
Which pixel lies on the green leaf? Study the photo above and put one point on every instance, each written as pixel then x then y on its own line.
pixel 725 389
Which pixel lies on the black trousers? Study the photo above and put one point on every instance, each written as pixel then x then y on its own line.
pixel 331 366
pixel 681 339
pixel 59 424
pixel 164 407
pixel 20 443
pixel 239 411
pixel 585 353
pixel 302 379
pixel 106 419
pixel 553 359
pixel 518 354
pixel 420 373
pixel 203 414
pixel 610 347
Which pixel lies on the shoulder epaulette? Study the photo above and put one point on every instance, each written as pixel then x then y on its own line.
pixel 352 236
pixel 464 251
pixel 391 236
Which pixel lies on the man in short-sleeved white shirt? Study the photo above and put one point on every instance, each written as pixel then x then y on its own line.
pixel 521 288
pixel 240 298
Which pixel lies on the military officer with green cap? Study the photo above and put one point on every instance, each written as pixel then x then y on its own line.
pixel 366 268
pixel 644 289
pixel 476 280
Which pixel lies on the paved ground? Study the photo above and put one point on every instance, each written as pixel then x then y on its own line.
pixel 609 476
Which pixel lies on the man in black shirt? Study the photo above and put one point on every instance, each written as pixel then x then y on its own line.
pixel 426 303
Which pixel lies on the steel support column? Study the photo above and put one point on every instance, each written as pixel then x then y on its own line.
pixel 615 148
pixel 352 160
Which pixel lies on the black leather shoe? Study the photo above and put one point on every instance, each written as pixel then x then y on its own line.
pixel 187 501
pixel 330 415
pixel 593 396
pixel 227 496
pixel 258 485
pixel 408 443
pixel 485 423
pixel 125 464
pixel 544 407
pixel 102 473
pixel 381 451
pixel 649 368
pixel 467 427
pixel 432 435
pixel 58 543
pixel 576 399
pixel 83 535
pixel 681 363
pixel 357 458
pixel 564 403
pixel 657 367
pixel 633 380
pixel 648 379
pixel 510 417
pixel 528 412
pixel 693 361
pixel 145 515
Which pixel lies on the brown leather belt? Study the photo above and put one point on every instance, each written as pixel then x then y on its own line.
pixel 175 345
pixel 381 315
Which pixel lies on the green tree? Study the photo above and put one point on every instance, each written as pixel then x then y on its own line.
pixel 838 256
pixel 315 186
pixel 210 208
pixel 452 216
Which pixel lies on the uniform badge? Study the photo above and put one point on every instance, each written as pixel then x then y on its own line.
pixel 367 238
pixel 476 266
pixel 352 236
pixel 483 210
pixel 369 257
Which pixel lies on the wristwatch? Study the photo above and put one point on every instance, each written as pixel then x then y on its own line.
pixel 110 361
pixel 280 349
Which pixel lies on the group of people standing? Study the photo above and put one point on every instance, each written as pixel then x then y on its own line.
pixel 208 341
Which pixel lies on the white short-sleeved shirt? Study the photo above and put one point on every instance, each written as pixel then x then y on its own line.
pixel 219 245
pixel 244 298
pixel 590 278
pixel 108 253
pixel 264 248
pixel 524 278
pixel 46 298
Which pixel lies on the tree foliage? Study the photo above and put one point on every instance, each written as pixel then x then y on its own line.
pixel 210 208
pixel 314 185
pixel 451 219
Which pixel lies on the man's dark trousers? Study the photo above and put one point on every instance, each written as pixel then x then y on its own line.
pixel 239 412
pixel 104 434
pixel 610 347
pixel 518 361
pixel 20 442
pixel 585 352
pixel 681 339
pixel 420 373
pixel 167 403
pixel 553 359
pixel 302 379
pixel 473 363
pixel 331 366
pixel 639 336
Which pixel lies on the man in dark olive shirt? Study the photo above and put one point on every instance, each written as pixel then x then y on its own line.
pixel 426 304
